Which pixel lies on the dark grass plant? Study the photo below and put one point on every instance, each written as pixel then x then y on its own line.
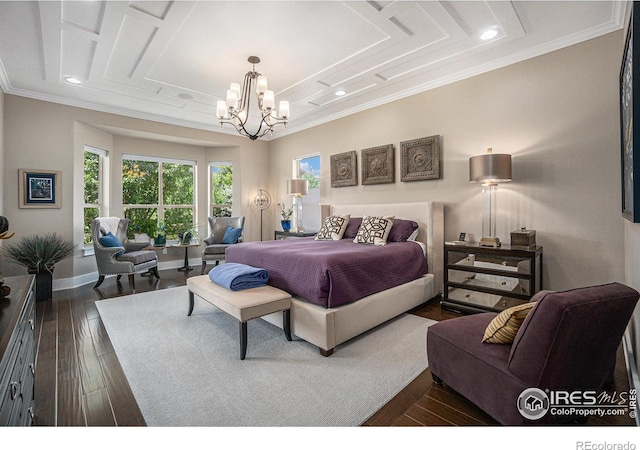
pixel 39 252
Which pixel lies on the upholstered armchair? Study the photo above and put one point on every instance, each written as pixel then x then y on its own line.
pixel 216 242
pixel 116 255
pixel 566 342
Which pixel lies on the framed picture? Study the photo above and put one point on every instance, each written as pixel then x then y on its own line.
pixel 344 170
pixel 378 165
pixel 629 101
pixel 420 159
pixel 39 189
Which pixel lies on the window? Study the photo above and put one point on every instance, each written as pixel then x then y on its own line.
pixel 221 184
pixel 94 163
pixel 158 191
pixel 308 168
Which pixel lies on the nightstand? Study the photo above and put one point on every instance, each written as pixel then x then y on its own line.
pixel 481 279
pixel 292 234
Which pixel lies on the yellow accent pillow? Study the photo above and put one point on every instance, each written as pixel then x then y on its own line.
pixel 504 327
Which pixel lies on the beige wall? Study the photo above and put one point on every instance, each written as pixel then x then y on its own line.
pixel 556 114
pixel 43 135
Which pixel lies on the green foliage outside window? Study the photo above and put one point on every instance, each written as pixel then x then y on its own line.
pixel 140 186
pixel 91 191
pixel 222 190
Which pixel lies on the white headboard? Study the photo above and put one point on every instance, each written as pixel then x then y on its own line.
pixel 428 215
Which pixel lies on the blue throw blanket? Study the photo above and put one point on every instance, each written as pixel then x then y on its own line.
pixel 236 276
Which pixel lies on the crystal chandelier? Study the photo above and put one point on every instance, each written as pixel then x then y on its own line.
pixel 235 110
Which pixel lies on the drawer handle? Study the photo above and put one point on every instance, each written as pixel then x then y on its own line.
pixel 14 389
pixel 504 283
pixel 33 368
pixel 31 323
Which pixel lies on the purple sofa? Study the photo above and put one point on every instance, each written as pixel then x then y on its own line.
pixel 567 342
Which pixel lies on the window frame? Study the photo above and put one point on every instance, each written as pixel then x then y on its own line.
pixel 313 209
pixel 160 206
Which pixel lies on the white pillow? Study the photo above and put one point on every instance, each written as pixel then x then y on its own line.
pixel 333 228
pixel 374 230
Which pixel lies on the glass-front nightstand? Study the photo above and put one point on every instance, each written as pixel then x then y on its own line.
pixel 480 279
pixel 293 234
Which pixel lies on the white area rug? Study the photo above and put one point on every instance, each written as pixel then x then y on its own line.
pixel 186 371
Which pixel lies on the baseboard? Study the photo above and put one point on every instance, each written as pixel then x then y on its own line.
pixel 632 369
pixel 87 278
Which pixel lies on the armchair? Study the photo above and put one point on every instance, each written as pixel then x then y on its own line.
pixel 567 342
pixel 118 260
pixel 215 249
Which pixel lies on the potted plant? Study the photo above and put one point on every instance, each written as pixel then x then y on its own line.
pixel 39 254
pixel 190 233
pixel 161 235
pixel 286 216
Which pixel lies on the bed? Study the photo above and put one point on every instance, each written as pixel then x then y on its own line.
pixel 327 313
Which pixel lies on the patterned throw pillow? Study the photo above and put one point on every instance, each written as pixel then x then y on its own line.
pixel 504 327
pixel 374 230
pixel 333 228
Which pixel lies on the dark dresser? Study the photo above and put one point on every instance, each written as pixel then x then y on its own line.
pixel 17 352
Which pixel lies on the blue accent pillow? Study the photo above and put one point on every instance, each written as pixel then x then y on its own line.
pixel 231 235
pixel 109 240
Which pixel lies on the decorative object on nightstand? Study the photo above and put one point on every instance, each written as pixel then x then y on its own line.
pixel 262 202
pixel 480 279
pixel 524 238
pixel 489 169
pixel 286 213
pixel 297 187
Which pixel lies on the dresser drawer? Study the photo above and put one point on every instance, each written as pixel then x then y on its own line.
pixel 17 354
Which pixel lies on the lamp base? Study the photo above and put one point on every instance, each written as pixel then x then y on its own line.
pixel 490 242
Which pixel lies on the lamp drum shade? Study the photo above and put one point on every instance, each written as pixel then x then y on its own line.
pixel 297 186
pixel 491 168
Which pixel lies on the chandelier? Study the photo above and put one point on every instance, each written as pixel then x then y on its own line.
pixel 235 109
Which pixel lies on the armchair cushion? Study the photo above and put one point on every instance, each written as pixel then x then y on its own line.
pixel 215 249
pixel 503 328
pixel 109 240
pixel 137 257
pixel 231 235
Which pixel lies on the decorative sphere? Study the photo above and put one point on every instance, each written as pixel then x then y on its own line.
pixel 4 224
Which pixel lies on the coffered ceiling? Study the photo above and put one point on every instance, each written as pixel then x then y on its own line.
pixel 170 61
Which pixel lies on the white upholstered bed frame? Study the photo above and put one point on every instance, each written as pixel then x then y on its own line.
pixel 329 327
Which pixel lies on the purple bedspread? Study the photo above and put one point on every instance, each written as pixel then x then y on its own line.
pixel 332 273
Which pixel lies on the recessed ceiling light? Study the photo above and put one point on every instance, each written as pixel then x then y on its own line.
pixel 489 34
pixel 73 80
pixel 340 93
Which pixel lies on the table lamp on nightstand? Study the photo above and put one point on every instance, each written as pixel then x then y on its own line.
pixel 297 187
pixel 489 169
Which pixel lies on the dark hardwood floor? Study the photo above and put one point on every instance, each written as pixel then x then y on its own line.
pixel 79 380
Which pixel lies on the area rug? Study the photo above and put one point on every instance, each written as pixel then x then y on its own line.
pixel 186 370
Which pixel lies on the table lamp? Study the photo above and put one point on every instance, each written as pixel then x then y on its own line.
pixel 489 169
pixel 297 187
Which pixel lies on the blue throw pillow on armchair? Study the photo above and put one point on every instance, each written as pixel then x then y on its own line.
pixel 109 240
pixel 231 235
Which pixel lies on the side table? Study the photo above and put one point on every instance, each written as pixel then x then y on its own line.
pixel 186 267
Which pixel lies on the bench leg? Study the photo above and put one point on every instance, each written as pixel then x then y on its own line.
pixel 286 320
pixel 191 301
pixel 243 340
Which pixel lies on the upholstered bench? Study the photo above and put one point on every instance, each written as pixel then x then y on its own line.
pixel 243 305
